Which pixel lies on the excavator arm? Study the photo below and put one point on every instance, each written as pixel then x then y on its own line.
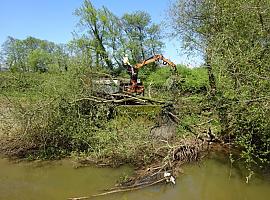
pixel 134 86
pixel 155 58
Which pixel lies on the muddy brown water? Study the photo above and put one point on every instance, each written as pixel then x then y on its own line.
pixel 211 179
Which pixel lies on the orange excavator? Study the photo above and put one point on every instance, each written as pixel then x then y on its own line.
pixel 136 86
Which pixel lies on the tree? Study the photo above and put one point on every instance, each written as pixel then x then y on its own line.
pixel 15 54
pixel 109 37
pixel 234 36
pixel 143 37
pixel 135 27
pixel 195 23
pixel 61 57
pixel 32 54
pixel 81 51
pixel 38 60
pixel 114 36
pixel 154 40
pixel 94 21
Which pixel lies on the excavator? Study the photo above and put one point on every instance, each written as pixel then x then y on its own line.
pixel 135 86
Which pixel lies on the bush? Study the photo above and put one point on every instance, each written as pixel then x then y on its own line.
pixel 54 120
pixel 188 80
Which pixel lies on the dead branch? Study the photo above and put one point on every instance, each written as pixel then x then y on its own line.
pixel 147 98
pixel 130 189
pixel 100 100
pixel 78 198
pixel 163 171
pixel 120 190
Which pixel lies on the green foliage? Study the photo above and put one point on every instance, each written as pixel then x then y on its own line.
pixel 38 60
pixel 95 21
pixel 32 55
pixel 106 37
pixel 53 120
pixel 234 36
pixel 141 34
pixel 39 86
pixel 251 129
pixel 192 80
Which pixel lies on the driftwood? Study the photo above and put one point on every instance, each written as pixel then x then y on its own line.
pixel 130 188
pixel 78 198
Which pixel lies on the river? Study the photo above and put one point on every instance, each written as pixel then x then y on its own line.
pixel 210 179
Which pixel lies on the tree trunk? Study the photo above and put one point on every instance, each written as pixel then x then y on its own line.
pixel 97 59
pixel 211 77
pixel 105 56
pixel 141 44
pixel 104 53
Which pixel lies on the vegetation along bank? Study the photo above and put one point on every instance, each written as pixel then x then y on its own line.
pixel 57 100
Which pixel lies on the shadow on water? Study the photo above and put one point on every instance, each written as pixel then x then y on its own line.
pixel 211 179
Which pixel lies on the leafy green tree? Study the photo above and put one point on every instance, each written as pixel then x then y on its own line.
pixel 196 24
pixel 154 42
pixel 135 27
pixel 143 37
pixel 106 37
pixel 38 60
pixel 15 54
pixel 234 37
pixel 23 55
pixel 81 51
pixel 114 35
pixel 93 20
pixel 61 57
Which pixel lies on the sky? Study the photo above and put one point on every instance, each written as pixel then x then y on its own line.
pixel 54 20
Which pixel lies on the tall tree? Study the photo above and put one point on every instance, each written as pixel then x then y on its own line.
pixel 113 36
pixel 234 35
pixel 154 39
pixel 15 54
pixel 92 19
pixel 135 26
pixel 195 23
pixel 31 53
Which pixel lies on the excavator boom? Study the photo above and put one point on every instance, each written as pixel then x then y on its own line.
pixel 155 58
pixel 134 85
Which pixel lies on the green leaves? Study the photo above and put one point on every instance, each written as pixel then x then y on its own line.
pixel 142 36
pixel 236 37
pixel 32 54
pixel 113 36
pixel 38 60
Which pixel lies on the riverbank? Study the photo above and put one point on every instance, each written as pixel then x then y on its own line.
pixel 55 119
pixel 49 117
pixel 134 135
